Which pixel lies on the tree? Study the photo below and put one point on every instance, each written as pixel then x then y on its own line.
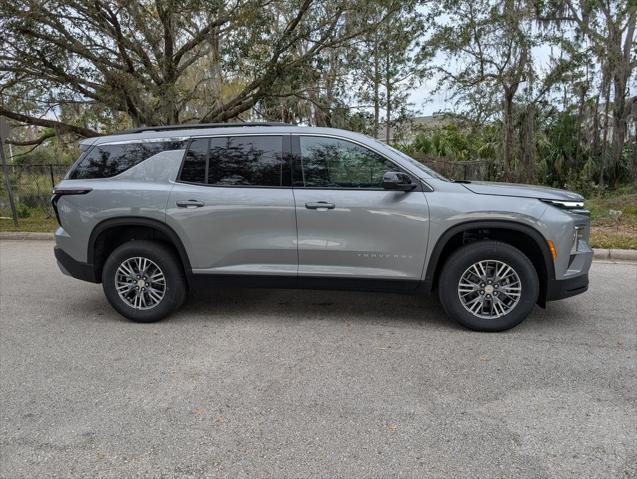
pixel 158 62
pixel 489 43
pixel 608 29
pixel 386 66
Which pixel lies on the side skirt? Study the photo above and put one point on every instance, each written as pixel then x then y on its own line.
pixel 207 281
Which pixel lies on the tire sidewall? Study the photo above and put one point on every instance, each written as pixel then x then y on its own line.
pixel 462 259
pixel 165 259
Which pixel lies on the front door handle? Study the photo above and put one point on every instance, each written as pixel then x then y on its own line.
pixel 190 204
pixel 320 205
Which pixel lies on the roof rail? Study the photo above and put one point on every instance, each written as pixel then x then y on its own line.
pixel 193 126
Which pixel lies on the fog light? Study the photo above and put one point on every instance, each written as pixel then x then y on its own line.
pixel 578 235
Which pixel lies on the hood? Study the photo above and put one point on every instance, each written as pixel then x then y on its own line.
pixel 523 191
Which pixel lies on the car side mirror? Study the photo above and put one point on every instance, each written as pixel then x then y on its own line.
pixel 396 180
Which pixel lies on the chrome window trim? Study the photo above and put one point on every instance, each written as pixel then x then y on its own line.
pixel 145 140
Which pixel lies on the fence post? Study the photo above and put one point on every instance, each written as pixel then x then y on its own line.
pixel 465 172
pixel 5 172
pixel 51 173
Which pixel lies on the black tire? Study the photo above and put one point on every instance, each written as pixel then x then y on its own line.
pixel 462 259
pixel 174 292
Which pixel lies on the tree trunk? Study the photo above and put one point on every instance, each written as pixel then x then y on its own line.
pixel 580 116
pixel 604 153
pixel 376 81
pixel 388 92
pixel 595 139
pixel 621 73
pixel 507 132
pixel 633 172
pixel 527 141
pixel 215 56
pixel 619 121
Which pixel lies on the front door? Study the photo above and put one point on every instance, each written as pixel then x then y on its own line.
pixel 349 227
pixel 233 206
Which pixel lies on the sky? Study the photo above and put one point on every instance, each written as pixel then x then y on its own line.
pixel 426 102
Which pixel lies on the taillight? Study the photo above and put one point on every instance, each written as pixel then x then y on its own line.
pixel 59 192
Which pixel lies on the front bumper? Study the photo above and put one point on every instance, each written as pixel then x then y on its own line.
pixel 74 268
pixel 565 288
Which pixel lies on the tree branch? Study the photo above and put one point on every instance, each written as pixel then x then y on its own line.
pixel 32 120
pixel 36 142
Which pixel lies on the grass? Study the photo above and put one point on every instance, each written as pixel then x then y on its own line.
pixel 613 216
pixel 611 239
pixel 36 223
pixel 614 219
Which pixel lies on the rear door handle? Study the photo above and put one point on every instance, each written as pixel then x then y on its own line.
pixel 320 205
pixel 190 204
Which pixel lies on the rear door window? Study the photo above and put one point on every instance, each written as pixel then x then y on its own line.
pixel 105 161
pixel 258 161
pixel 246 161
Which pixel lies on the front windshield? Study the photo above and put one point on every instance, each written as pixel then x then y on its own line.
pixel 416 163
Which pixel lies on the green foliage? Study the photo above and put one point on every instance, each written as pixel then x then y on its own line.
pixel 24 211
pixel 457 143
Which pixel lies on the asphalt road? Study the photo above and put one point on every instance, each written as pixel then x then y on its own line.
pixel 262 383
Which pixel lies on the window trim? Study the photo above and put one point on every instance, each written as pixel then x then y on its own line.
pixel 297 161
pixel 285 150
pixel 163 139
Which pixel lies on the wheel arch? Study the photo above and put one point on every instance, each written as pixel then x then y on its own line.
pixel 153 229
pixel 454 237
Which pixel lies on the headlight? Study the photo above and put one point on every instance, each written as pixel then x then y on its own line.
pixel 569 205
pixel 572 206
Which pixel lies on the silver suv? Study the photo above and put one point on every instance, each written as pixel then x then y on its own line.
pixel 153 213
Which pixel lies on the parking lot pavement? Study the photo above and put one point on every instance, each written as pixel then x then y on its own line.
pixel 263 383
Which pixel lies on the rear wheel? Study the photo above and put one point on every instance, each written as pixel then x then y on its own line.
pixel 143 281
pixel 488 286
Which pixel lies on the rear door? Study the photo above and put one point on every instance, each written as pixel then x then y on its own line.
pixel 233 206
pixel 350 227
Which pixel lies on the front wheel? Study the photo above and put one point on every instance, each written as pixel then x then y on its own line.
pixel 488 286
pixel 143 281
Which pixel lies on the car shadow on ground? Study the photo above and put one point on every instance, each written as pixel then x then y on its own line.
pixel 282 305
pixel 315 304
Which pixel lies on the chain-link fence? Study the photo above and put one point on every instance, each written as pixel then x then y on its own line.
pixel 31 186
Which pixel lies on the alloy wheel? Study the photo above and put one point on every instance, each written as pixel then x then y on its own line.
pixel 489 289
pixel 140 283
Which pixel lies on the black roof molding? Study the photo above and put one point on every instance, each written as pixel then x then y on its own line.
pixel 196 126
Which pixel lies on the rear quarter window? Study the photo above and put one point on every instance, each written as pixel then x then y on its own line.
pixel 105 161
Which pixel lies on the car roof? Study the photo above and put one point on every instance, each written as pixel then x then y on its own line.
pixel 188 131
